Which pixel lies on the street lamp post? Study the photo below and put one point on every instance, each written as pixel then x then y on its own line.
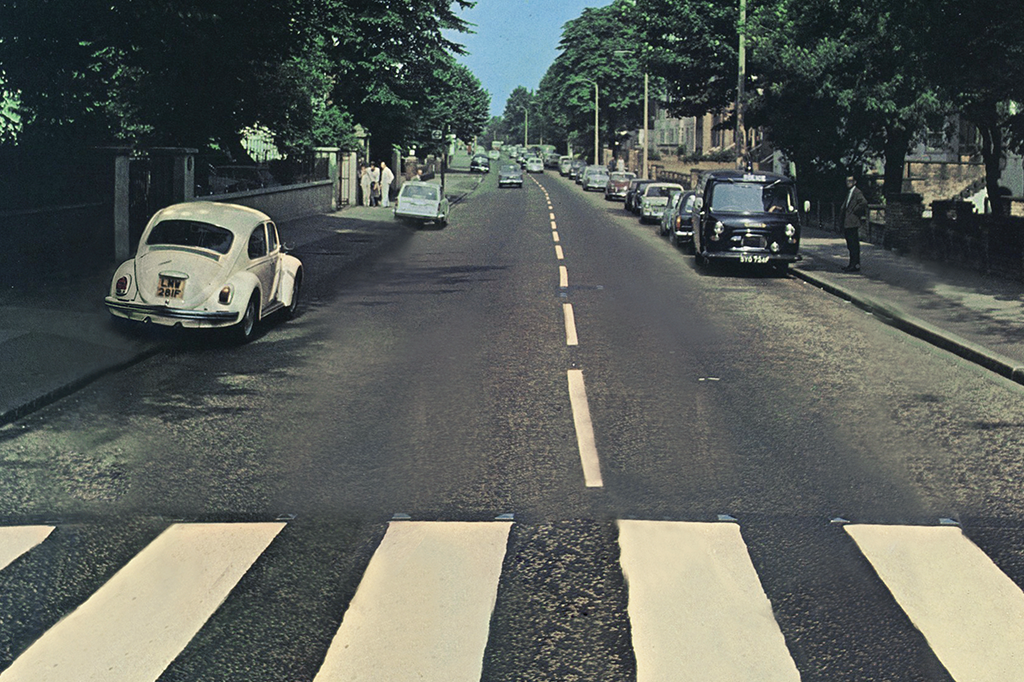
pixel 741 130
pixel 597 129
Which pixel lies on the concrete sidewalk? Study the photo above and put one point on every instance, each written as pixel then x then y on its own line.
pixel 56 335
pixel 978 317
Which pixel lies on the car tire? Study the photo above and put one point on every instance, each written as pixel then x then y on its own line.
pixel 247 325
pixel 293 307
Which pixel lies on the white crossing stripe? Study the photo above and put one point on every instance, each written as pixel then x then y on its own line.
pixel 970 612
pixel 141 619
pixel 696 607
pixel 17 540
pixel 423 607
pixel 584 430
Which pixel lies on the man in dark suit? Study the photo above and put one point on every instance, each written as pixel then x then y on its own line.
pixel 855 211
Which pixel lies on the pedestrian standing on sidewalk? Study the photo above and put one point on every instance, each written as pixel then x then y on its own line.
pixel 855 211
pixel 366 185
pixel 374 185
pixel 386 178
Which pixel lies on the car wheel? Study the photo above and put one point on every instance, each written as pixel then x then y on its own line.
pixel 293 307
pixel 245 327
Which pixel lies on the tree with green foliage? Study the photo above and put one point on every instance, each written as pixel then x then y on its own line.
pixel 978 65
pixel 197 72
pixel 691 46
pixel 455 104
pixel 839 85
pixel 599 46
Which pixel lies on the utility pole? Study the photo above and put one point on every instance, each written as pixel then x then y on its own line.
pixel 741 130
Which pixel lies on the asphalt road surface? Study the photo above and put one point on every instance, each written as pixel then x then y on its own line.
pixel 537 444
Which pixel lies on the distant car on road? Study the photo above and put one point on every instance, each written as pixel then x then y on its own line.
pixel 480 164
pixel 563 165
pixel 551 160
pixel 576 167
pixel 423 202
pixel 677 220
pixel 655 200
pixel 510 175
pixel 594 177
pixel 618 185
pixel 534 165
pixel 494 155
pixel 633 194
pixel 204 264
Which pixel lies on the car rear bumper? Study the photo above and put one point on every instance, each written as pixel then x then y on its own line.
pixel 171 317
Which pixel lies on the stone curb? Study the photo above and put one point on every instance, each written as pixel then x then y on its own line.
pixel 926 331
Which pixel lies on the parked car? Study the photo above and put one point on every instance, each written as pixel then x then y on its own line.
pixel 618 185
pixel 633 194
pixel 563 165
pixel 595 177
pixel 480 164
pixel 747 218
pixel 655 200
pixel 510 175
pixel 534 165
pixel 576 167
pixel 677 220
pixel 423 202
pixel 210 265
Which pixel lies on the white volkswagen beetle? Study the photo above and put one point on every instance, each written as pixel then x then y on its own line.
pixel 207 264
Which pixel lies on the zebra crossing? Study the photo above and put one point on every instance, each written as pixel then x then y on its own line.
pixel 424 606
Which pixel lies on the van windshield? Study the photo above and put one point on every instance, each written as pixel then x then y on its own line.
pixel 752 197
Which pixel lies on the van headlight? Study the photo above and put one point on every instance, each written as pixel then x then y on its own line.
pixel 717 231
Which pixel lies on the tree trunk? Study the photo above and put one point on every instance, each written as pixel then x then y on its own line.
pixel 897 142
pixel 992 153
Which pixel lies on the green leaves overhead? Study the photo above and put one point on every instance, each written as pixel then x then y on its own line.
pixel 196 72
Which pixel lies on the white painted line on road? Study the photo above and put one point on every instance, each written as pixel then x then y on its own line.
pixel 17 540
pixel 696 607
pixel 584 430
pixel 570 325
pixel 551 215
pixel 423 608
pixel 141 619
pixel 554 225
pixel 563 277
pixel 970 612
pixel 555 236
pixel 558 253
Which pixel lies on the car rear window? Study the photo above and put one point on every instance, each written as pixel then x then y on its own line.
pixel 419 192
pixel 191 233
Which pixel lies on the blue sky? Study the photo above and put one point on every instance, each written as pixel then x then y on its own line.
pixel 515 42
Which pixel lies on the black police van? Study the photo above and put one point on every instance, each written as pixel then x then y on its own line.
pixel 746 217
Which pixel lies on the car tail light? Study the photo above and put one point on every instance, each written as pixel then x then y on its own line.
pixel 679 221
pixel 121 287
pixel 225 296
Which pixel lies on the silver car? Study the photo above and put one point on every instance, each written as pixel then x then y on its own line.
pixel 655 200
pixel 422 201
pixel 594 177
